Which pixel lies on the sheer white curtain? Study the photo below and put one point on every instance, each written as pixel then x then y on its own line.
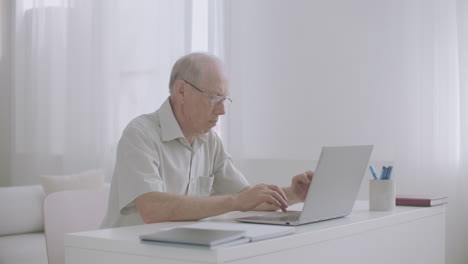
pixel 461 180
pixel 447 133
pixel 82 70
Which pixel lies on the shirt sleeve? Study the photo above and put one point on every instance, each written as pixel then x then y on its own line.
pixel 137 167
pixel 227 178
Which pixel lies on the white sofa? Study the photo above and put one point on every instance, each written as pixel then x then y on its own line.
pixel 22 239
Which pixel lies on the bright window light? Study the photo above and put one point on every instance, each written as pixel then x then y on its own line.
pixel 199 25
pixel 30 4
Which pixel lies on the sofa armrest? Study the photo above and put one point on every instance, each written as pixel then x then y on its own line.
pixel 21 209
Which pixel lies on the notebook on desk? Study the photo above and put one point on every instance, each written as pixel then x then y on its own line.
pixel 216 234
pixel 333 189
pixel 197 236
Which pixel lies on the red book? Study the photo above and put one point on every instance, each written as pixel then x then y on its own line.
pixel 420 200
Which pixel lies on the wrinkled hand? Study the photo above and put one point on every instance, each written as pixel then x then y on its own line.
pixel 300 184
pixel 252 196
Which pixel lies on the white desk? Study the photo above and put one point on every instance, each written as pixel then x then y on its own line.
pixel 406 235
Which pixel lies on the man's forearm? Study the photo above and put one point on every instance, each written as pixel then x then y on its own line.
pixel 163 207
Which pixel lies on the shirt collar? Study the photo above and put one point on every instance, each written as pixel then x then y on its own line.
pixel 170 128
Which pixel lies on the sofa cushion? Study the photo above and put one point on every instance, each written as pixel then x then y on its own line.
pixel 92 179
pixel 21 209
pixel 22 249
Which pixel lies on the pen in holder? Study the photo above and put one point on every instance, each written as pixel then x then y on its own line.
pixel 382 195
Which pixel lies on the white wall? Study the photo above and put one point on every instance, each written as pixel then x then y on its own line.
pixel 314 63
pixel 308 73
pixel 312 73
pixel 5 84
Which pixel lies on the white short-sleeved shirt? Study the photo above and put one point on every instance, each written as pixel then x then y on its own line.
pixel 154 156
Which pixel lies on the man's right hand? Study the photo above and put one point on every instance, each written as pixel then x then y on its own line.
pixel 252 196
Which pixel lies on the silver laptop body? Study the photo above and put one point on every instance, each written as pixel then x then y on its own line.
pixel 333 190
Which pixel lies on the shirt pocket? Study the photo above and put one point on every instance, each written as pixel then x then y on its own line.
pixel 201 186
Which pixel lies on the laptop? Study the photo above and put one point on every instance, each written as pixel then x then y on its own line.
pixel 333 190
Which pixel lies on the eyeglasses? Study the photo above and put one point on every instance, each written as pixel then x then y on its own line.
pixel 214 99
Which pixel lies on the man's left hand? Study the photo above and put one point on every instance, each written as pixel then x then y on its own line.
pixel 300 185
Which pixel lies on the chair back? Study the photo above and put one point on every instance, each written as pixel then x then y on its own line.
pixel 68 212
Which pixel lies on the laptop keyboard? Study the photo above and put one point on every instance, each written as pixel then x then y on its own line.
pixel 290 216
pixel 287 218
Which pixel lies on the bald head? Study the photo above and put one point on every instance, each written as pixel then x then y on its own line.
pixel 194 67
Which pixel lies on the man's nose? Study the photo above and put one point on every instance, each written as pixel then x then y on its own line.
pixel 220 109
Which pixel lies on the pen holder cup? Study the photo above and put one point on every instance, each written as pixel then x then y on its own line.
pixel 382 195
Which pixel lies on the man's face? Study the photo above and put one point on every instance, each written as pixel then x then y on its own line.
pixel 201 110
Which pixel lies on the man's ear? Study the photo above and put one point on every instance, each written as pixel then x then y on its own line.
pixel 179 87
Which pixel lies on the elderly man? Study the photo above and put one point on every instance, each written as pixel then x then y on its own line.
pixel 171 166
